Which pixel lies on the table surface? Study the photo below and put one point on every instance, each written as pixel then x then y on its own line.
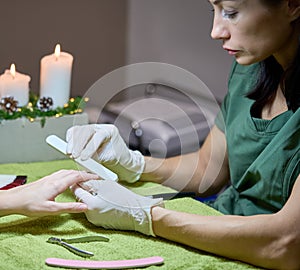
pixel 24 246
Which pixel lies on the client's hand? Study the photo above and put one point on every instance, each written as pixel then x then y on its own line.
pixel 112 206
pixel 109 147
pixel 38 198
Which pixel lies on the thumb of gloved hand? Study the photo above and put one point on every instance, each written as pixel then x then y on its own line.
pixel 112 206
pixel 105 142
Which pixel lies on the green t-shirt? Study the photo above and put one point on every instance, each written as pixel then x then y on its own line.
pixel 264 156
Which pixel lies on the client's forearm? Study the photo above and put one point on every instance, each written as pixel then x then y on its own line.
pixel 7 203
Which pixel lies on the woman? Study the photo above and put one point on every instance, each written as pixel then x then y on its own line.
pixel 254 144
pixel 38 198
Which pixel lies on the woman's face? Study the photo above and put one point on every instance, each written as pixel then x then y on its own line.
pixel 251 31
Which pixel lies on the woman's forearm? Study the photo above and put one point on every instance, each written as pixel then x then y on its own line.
pixel 176 172
pixel 258 240
pixel 205 171
pixel 186 173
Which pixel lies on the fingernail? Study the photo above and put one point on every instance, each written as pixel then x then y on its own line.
pixel 82 206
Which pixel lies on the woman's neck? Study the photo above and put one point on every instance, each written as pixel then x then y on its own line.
pixel 276 107
pixel 287 54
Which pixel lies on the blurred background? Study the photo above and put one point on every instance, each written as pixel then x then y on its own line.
pixel 103 35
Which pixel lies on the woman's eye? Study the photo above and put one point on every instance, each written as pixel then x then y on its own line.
pixel 229 14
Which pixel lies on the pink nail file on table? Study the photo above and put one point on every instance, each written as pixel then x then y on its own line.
pixel 90 164
pixel 121 264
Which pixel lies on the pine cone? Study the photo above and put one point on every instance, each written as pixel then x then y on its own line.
pixel 45 104
pixel 9 104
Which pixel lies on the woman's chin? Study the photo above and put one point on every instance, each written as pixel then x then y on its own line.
pixel 246 60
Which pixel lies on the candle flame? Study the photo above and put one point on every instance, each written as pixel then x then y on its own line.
pixel 13 70
pixel 57 50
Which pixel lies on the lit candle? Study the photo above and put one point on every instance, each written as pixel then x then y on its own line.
pixel 55 80
pixel 16 85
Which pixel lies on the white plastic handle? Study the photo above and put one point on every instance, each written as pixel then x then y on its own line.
pixel 90 164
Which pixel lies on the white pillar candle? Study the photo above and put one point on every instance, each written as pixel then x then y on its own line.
pixel 55 77
pixel 16 85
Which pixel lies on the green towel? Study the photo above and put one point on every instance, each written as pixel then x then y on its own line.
pixel 23 240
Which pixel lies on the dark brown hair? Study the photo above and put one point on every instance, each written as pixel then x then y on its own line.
pixel 272 74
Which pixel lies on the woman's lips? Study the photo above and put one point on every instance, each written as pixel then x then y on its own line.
pixel 231 52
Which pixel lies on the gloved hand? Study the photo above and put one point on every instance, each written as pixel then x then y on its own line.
pixel 112 206
pixel 105 142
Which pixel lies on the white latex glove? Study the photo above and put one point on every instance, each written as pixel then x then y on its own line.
pixel 112 206
pixel 105 142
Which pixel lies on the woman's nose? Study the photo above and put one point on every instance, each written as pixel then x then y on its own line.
pixel 220 29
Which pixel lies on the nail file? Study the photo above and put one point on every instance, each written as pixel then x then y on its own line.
pixel 89 164
pixel 121 264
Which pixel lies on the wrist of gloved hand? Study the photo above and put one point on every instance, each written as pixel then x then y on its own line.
pixel 112 206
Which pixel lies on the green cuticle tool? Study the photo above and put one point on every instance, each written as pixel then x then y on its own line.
pixel 66 243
